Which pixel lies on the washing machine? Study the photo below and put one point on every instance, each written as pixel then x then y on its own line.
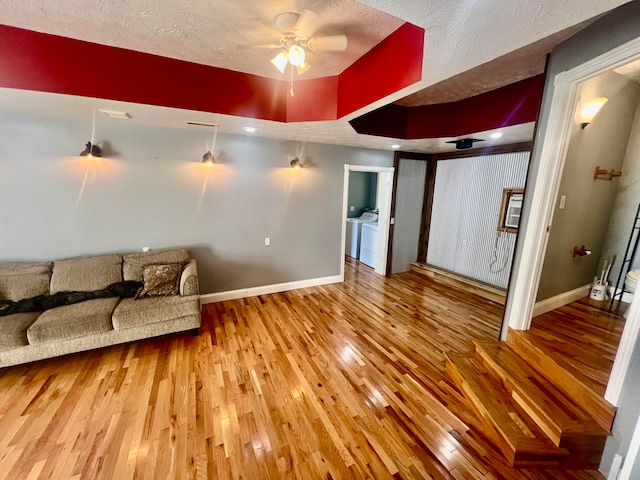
pixel 369 244
pixel 354 227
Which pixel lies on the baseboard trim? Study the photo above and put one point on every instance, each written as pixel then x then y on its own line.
pixel 561 300
pixel 266 289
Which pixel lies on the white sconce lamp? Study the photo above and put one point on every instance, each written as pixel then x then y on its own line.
pixel 590 109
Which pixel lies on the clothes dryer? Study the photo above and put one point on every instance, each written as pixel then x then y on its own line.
pixel 354 227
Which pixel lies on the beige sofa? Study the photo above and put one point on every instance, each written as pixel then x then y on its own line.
pixel 26 337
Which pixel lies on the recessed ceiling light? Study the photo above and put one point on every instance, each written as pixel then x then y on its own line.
pixel 250 129
pixel 496 135
pixel 395 147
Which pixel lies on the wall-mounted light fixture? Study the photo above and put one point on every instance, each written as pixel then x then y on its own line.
pixel 590 109
pixel 296 163
pixel 209 158
pixel 91 150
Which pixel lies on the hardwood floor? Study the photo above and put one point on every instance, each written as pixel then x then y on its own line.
pixel 338 381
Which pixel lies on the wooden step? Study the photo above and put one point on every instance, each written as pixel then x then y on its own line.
pixel 564 376
pixel 562 420
pixel 459 282
pixel 515 434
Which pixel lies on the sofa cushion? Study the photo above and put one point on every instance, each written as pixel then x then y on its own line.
pixel 24 268
pixel 86 274
pixel 135 313
pixel 19 280
pixel 19 287
pixel 134 263
pixel 13 329
pixel 160 280
pixel 72 321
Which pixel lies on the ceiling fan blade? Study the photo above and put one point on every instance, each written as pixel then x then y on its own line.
pixel 269 45
pixel 308 24
pixel 333 43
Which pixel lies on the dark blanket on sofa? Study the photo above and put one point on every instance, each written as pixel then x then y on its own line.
pixel 126 289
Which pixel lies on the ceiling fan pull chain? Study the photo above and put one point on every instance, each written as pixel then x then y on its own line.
pixel 291 77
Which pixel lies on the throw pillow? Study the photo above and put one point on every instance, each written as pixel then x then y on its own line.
pixel 160 280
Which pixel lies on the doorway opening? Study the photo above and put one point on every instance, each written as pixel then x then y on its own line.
pixel 563 139
pixel 377 238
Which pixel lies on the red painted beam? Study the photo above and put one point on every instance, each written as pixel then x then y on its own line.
pixel 49 63
pixel 509 105
pixel 393 64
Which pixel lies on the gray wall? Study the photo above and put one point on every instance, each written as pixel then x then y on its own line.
pixel 154 192
pixel 362 192
pixel 464 221
pixel 625 205
pixel 612 30
pixel 589 202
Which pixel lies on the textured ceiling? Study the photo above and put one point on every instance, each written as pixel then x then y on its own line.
pixel 460 35
pixel 233 34
pixel 522 63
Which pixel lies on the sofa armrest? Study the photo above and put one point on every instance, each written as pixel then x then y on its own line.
pixel 189 279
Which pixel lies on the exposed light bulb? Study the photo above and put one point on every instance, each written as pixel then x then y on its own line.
pixel 296 55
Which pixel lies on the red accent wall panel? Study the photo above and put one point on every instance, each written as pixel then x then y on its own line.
pixel 314 99
pixel 394 63
pixel 37 61
pixel 509 105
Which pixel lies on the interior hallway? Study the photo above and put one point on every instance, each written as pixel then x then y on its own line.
pixel 338 381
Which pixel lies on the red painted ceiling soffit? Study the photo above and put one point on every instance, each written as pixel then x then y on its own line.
pixel 509 105
pixel 36 61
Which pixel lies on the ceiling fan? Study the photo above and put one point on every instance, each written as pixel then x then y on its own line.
pixel 297 32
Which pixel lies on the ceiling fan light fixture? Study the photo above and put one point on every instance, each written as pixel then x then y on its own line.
pixel 303 68
pixel 296 55
pixel 280 61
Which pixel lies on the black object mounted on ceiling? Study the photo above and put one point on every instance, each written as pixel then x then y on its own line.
pixel 465 143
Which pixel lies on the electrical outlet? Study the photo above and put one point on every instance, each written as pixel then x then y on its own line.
pixel 267 241
pixel 464 243
pixel 145 249
pixel 352 208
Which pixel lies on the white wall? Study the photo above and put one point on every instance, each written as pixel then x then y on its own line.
pixel 153 191
pixel 466 207
pixel 626 205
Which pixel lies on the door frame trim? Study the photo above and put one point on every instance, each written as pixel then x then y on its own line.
pixel 554 145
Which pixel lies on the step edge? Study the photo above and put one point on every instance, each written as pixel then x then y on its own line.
pixel 555 428
pixel 520 445
pixel 607 411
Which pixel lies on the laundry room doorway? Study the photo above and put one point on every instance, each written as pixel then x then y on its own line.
pixel 376 239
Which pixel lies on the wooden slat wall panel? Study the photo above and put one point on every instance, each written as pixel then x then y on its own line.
pixel 466 207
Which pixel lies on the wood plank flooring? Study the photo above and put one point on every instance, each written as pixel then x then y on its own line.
pixel 338 381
